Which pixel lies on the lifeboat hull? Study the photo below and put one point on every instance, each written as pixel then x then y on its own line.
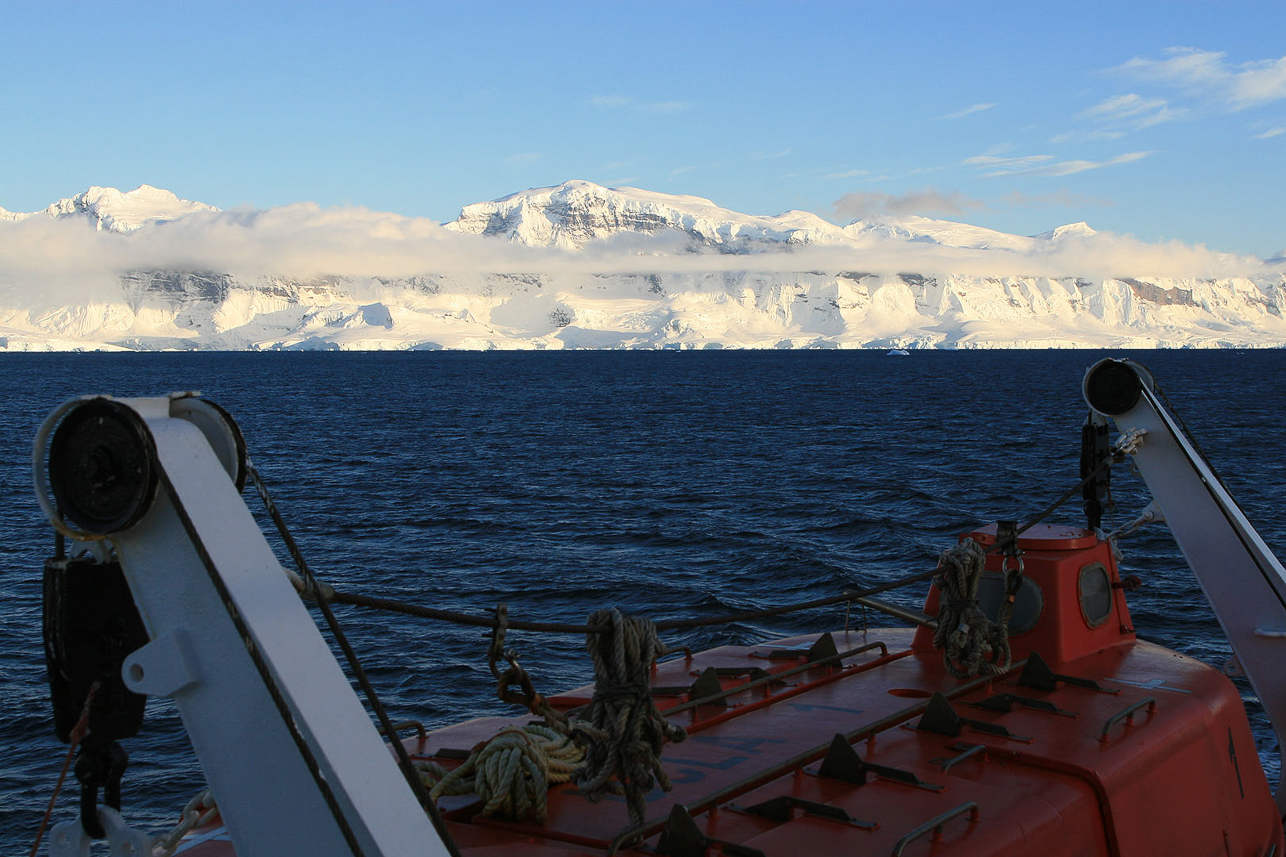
pixel 861 742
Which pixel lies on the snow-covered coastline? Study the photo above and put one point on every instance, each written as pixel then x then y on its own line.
pixel 582 266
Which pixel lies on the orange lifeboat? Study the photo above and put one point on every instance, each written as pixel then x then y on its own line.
pixel 860 742
pixel 1060 733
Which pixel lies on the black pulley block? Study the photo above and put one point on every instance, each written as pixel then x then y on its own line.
pixel 101 467
pixel 1113 387
pixel 91 625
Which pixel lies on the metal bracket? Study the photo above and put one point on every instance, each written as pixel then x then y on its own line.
pixel 1129 442
pixel 941 718
pixel 1005 702
pixel 934 826
pixel 782 809
pixel 824 648
pixel 163 667
pixel 968 752
pixel 752 673
pixel 843 763
pixel 1127 714
pixel 682 838
pixel 1037 675
pixel 708 684
pixel 69 839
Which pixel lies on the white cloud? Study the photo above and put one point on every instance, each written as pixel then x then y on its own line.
pixel 1208 73
pixel 976 108
pixel 1133 110
pixel 770 156
pixel 1261 82
pixel 994 162
pixel 1087 136
pixel 666 107
pixel 861 205
pixel 1037 165
pixel 848 174
pixel 47 262
pixel 1272 132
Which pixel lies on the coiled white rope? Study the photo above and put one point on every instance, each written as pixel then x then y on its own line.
pixel 512 772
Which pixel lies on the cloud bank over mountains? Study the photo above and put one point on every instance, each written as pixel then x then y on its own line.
pixel 621 267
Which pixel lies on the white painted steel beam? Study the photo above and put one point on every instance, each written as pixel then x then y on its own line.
pixel 1243 580
pixel 197 532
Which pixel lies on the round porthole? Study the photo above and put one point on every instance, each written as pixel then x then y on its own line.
pixel 1029 603
pixel 1096 594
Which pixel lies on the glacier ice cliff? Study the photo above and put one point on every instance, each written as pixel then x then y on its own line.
pixel 582 266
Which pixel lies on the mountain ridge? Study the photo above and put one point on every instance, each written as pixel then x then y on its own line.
pixel 578 265
pixel 112 210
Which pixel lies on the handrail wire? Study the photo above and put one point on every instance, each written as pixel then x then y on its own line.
pixel 324 594
pixel 572 628
pixel 403 758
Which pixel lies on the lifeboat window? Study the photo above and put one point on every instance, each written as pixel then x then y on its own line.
pixel 1029 603
pixel 1096 594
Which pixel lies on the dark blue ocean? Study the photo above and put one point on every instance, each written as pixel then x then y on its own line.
pixel 666 483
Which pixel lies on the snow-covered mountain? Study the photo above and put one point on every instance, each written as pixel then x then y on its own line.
pixel 110 210
pixel 579 265
pixel 575 214
pixel 945 233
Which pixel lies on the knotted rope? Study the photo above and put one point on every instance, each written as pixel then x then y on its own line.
pixel 627 761
pixel 614 749
pixel 970 642
pixel 512 772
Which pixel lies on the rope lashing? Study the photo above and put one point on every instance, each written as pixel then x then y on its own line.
pixel 627 762
pixel 511 772
pixel 613 749
pixel 513 685
pixel 200 811
pixel 970 642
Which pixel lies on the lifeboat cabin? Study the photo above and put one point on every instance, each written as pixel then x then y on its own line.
pixel 860 742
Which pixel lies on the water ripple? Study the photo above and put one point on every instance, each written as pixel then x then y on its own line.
pixel 668 485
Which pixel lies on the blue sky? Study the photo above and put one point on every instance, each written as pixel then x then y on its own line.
pixel 1160 120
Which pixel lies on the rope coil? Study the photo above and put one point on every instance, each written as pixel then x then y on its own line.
pixel 512 772
pixel 628 762
pixel 970 642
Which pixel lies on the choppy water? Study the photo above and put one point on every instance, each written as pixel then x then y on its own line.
pixel 669 484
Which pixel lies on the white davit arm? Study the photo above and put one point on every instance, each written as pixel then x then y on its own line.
pixel 291 755
pixel 1244 582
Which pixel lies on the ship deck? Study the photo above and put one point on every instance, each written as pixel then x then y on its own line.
pixel 1101 757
